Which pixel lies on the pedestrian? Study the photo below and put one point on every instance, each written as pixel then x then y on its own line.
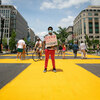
pixel 75 49
pixel 50 43
pixel 98 48
pixel 60 49
pixel 83 50
pixel 20 46
pixel 63 51
pixel 27 49
pixel 24 51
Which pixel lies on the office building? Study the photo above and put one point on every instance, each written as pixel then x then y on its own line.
pixel 13 21
pixel 31 35
pixel 87 22
pixel 70 32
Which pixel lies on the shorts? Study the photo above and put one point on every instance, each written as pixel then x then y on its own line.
pixel 63 51
pixel 20 50
pixel 40 49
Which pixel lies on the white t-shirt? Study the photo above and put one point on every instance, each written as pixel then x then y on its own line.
pixel 21 43
pixel 82 46
pixel 38 42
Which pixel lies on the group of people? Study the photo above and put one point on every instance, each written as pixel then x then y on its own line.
pixel 81 48
pixel 50 50
pixel 61 50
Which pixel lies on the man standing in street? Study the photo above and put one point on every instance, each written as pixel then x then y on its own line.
pixel 20 47
pixel 50 43
pixel 75 49
pixel 83 50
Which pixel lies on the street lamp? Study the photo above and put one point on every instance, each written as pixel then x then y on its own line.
pixel 2 26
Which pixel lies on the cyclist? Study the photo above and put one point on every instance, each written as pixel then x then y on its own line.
pixel 38 47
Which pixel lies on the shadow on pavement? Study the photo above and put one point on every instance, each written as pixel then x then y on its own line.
pixel 58 70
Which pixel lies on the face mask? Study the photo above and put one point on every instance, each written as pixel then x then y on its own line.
pixel 50 31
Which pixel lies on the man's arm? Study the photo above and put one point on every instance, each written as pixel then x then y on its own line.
pixel 35 44
pixel 43 45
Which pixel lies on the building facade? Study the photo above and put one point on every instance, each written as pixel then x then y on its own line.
pixel 13 21
pixel 87 22
pixel 70 32
pixel 31 35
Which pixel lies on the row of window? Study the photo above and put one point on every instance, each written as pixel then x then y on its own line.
pixel 95 37
pixel 5 11
pixel 91 14
pixel 6 35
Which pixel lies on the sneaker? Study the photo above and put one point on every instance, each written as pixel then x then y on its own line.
pixel 45 70
pixel 40 58
pixel 54 70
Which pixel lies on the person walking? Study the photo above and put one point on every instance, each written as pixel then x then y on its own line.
pixel 75 49
pixel 83 50
pixel 49 48
pixel 24 51
pixel 60 49
pixel 98 48
pixel 63 51
pixel 20 46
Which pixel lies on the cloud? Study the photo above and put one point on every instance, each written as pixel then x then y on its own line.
pixel 7 2
pixel 65 22
pixel 60 4
pixel 95 2
pixel 41 34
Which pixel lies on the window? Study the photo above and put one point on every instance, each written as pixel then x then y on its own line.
pixel 96 36
pixel 83 14
pixel 96 25
pixel 84 28
pixel 7 35
pixel 90 36
pixel 89 14
pixel 96 14
pixel 90 18
pixel 90 27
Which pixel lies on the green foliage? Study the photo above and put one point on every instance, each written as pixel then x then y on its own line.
pixel 4 41
pixel 26 41
pixel 89 42
pixel 12 41
pixel 29 43
pixel 61 34
pixel 71 41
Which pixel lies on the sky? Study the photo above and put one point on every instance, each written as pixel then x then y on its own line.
pixel 40 14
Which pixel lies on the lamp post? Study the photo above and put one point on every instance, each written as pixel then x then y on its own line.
pixel 2 27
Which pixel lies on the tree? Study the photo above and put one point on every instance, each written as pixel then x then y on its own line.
pixel 61 34
pixel 89 42
pixel 4 41
pixel 26 41
pixel 12 41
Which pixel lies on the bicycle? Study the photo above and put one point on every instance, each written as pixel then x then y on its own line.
pixel 36 55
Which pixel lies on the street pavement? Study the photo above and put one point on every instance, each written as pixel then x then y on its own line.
pixel 75 79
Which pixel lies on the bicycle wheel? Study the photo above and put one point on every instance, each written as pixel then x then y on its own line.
pixel 35 56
